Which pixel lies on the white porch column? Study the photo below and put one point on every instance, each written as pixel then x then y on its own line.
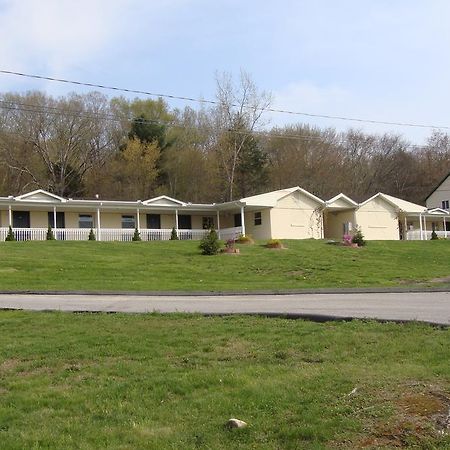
pixel 99 238
pixel 405 234
pixel 138 221
pixel 445 228
pixel 54 221
pixel 421 229
pixel 10 215
pixel 242 221
pixel 176 221
pixel 218 224
pixel 425 226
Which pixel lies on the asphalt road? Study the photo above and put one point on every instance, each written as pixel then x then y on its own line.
pixel 433 307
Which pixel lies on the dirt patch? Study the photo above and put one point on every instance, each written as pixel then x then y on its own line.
pixel 419 417
pixel 441 280
pixel 9 364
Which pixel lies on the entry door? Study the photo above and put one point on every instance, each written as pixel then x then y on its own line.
pixel 184 222
pixel 21 219
pixel 237 220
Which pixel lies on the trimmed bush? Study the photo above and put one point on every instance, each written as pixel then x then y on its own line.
pixel 136 236
pixel 50 235
pixel 434 236
pixel 174 235
pixel 91 235
pixel 10 236
pixel 210 244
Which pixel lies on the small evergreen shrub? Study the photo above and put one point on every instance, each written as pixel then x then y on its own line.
pixel 358 238
pixel 136 236
pixel 174 235
pixel 434 236
pixel 210 244
pixel 50 235
pixel 91 235
pixel 10 236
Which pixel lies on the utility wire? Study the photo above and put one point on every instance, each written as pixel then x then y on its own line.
pixel 40 109
pixel 214 102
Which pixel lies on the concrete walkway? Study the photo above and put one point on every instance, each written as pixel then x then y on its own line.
pixel 432 307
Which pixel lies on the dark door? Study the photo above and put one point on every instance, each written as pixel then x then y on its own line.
pixel 60 220
pixel 237 220
pixel 184 222
pixel 154 221
pixel 21 219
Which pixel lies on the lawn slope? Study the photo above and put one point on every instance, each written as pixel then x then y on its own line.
pixel 178 266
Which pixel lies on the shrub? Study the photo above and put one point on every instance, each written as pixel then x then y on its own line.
pixel 10 236
pixel 174 235
pixel 91 235
pixel 210 244
pixel 347 240
pixel 50 236
pixel 244 240
pixel 358 238
pixel 434 236
pixel 274 243
pixel 136 236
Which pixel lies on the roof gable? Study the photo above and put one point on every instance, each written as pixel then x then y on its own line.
pixel 437 186
pixel 163 200
pixel 397 203
pixel 439 211
pixel 40 195
pixel 341 201
pixel 270 199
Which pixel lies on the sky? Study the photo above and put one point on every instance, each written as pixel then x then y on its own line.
pixel 385 60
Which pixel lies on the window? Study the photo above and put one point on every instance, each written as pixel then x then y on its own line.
pixel 207 223
pixel 60 220
pixel 258 218
pixel 445 204
pixel 85 221
pixel 237 220
pixel 128 222
pixel 154 221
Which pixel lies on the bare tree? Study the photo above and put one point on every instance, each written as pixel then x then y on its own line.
pixel 236 117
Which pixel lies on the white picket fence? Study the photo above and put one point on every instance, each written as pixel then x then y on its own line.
pixel 414 235
pixel 112 234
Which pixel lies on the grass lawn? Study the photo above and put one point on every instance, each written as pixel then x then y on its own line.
pixel 171 382
pixel 178 265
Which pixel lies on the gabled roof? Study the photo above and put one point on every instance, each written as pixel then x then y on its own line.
pixel 339 199
pixel 397 203
pixel 437 186
pixel 270 199
pixel 163 200
pixel 437 211
pixel 39 195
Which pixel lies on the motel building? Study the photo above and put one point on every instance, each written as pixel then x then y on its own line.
pixel 291 213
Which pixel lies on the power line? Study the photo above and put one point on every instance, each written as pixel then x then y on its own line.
pixel 40 109
pixel 214 102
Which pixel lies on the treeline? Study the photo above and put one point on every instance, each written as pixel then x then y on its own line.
pixel 81 145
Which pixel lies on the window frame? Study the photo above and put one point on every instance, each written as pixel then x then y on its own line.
pixel 132 222
pixel 257 218
pixel 81 223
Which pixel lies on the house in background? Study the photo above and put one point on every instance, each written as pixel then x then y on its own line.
pixel 291 213
pixel 439 198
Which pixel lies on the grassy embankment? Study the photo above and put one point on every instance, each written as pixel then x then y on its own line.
pixel 178 265
pixel 160 382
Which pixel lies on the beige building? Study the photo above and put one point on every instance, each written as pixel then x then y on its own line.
pixel 291 213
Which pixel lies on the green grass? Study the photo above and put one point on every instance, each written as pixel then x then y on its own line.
pixel 171 382
pixel 178 265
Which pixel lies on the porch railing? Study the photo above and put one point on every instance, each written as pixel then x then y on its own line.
pixel 112 234
pixel 414 235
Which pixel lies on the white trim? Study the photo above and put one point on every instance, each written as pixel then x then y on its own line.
pixel 99 237
pixel 151 201
pixel 39 191
pixel 242 220
pixel 10 215
pixel 339 197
